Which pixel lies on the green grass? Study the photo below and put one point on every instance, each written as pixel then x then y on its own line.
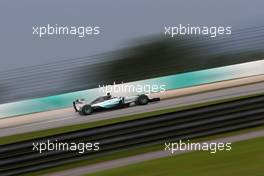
pixel 116 155
pixel 133 152
pixel 245 159
pixel 71 128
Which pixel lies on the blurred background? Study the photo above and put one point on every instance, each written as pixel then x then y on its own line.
pixel 131 46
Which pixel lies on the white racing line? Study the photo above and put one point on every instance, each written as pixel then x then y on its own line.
pixel 187 96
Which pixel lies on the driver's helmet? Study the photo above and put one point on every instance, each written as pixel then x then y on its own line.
pixel 108 95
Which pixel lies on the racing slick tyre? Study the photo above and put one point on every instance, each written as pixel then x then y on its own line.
pixel 142 100
pixel 87 110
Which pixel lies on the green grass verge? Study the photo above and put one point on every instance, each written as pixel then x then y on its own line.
pixel 71 128
pixel 134 152
pixel 246 158
pixel 110 157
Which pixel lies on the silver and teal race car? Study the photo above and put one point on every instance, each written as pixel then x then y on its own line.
pixel 108 102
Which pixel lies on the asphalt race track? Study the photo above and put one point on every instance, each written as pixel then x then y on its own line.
pixel 64 117
pixel 18 158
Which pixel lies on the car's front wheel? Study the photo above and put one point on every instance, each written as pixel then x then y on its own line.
pixel 87 110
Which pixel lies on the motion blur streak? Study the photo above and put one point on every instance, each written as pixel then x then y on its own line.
pixel 163 57
pixel 172 82
pixel 64 117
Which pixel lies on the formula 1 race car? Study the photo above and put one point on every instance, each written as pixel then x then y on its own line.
pixel 108 102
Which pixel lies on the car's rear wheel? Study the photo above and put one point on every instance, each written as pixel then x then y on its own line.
pixel 142 100
pixel 87 110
